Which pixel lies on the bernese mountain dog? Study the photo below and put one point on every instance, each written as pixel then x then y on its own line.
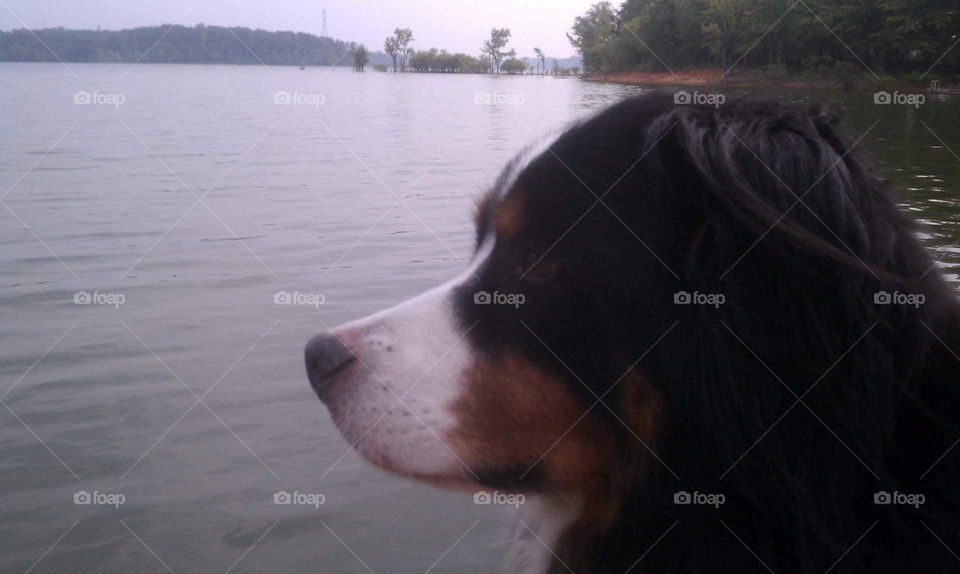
pixel 697 339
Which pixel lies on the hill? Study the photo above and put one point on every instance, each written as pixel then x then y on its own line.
pixel 174 44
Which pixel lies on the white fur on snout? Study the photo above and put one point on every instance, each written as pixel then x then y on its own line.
pixel 413 359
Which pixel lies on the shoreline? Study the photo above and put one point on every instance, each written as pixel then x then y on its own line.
pixel 714 78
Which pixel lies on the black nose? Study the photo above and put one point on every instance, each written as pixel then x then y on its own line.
pixel 325 355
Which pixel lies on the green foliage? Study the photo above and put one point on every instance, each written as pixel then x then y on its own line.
pixel 172 45
pixel 513 66
pixel 493 47
pixel 403 38
pixel 360 57
pixel 593 35
pixel 442 61
pixel 541 60
pixel 392 48
pixel 900 37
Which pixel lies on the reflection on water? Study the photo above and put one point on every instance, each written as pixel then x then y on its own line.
pixel 198 200
pixel 916 149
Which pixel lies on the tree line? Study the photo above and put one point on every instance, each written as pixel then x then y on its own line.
pixel 173 45
pixel 899 37
pixel 201 44
pixel 494 56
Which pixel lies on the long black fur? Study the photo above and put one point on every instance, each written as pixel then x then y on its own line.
pixel 821 234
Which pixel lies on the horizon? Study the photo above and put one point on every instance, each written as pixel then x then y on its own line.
pixel 368 22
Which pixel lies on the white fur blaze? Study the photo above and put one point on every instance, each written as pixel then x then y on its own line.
pixel 413 360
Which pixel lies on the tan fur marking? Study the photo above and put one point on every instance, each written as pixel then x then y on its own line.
pixel 514 412
pixel 508 215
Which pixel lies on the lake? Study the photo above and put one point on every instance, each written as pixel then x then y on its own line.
pixel 172 236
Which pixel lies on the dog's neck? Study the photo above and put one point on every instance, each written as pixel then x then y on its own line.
pixel 533 545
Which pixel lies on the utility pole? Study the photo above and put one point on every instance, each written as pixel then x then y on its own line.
pixel 323 31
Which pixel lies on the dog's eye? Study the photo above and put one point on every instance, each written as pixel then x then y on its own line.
pixel 539 269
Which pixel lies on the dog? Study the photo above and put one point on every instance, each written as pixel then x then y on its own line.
pixel 697 338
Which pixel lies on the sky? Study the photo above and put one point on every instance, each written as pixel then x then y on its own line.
pixel 456 25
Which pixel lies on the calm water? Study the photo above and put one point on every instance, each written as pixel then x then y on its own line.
pixel 183 199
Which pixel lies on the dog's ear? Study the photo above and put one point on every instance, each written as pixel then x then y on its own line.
pixel 780 174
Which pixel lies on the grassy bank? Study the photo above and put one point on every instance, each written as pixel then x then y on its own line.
pixel 707 77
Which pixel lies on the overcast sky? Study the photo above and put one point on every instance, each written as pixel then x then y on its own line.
pixel 457 25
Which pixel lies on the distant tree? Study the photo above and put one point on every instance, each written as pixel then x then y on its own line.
pixel 592 34
pixel 575 70
pixel 514 66
pixel 539 54
pixel 724 28
pixel 360 57
pixel 392 48
pixel 403 37
pixel 495 45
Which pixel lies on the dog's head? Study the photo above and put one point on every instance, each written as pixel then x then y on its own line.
pixel 647 295
pixel 479 379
